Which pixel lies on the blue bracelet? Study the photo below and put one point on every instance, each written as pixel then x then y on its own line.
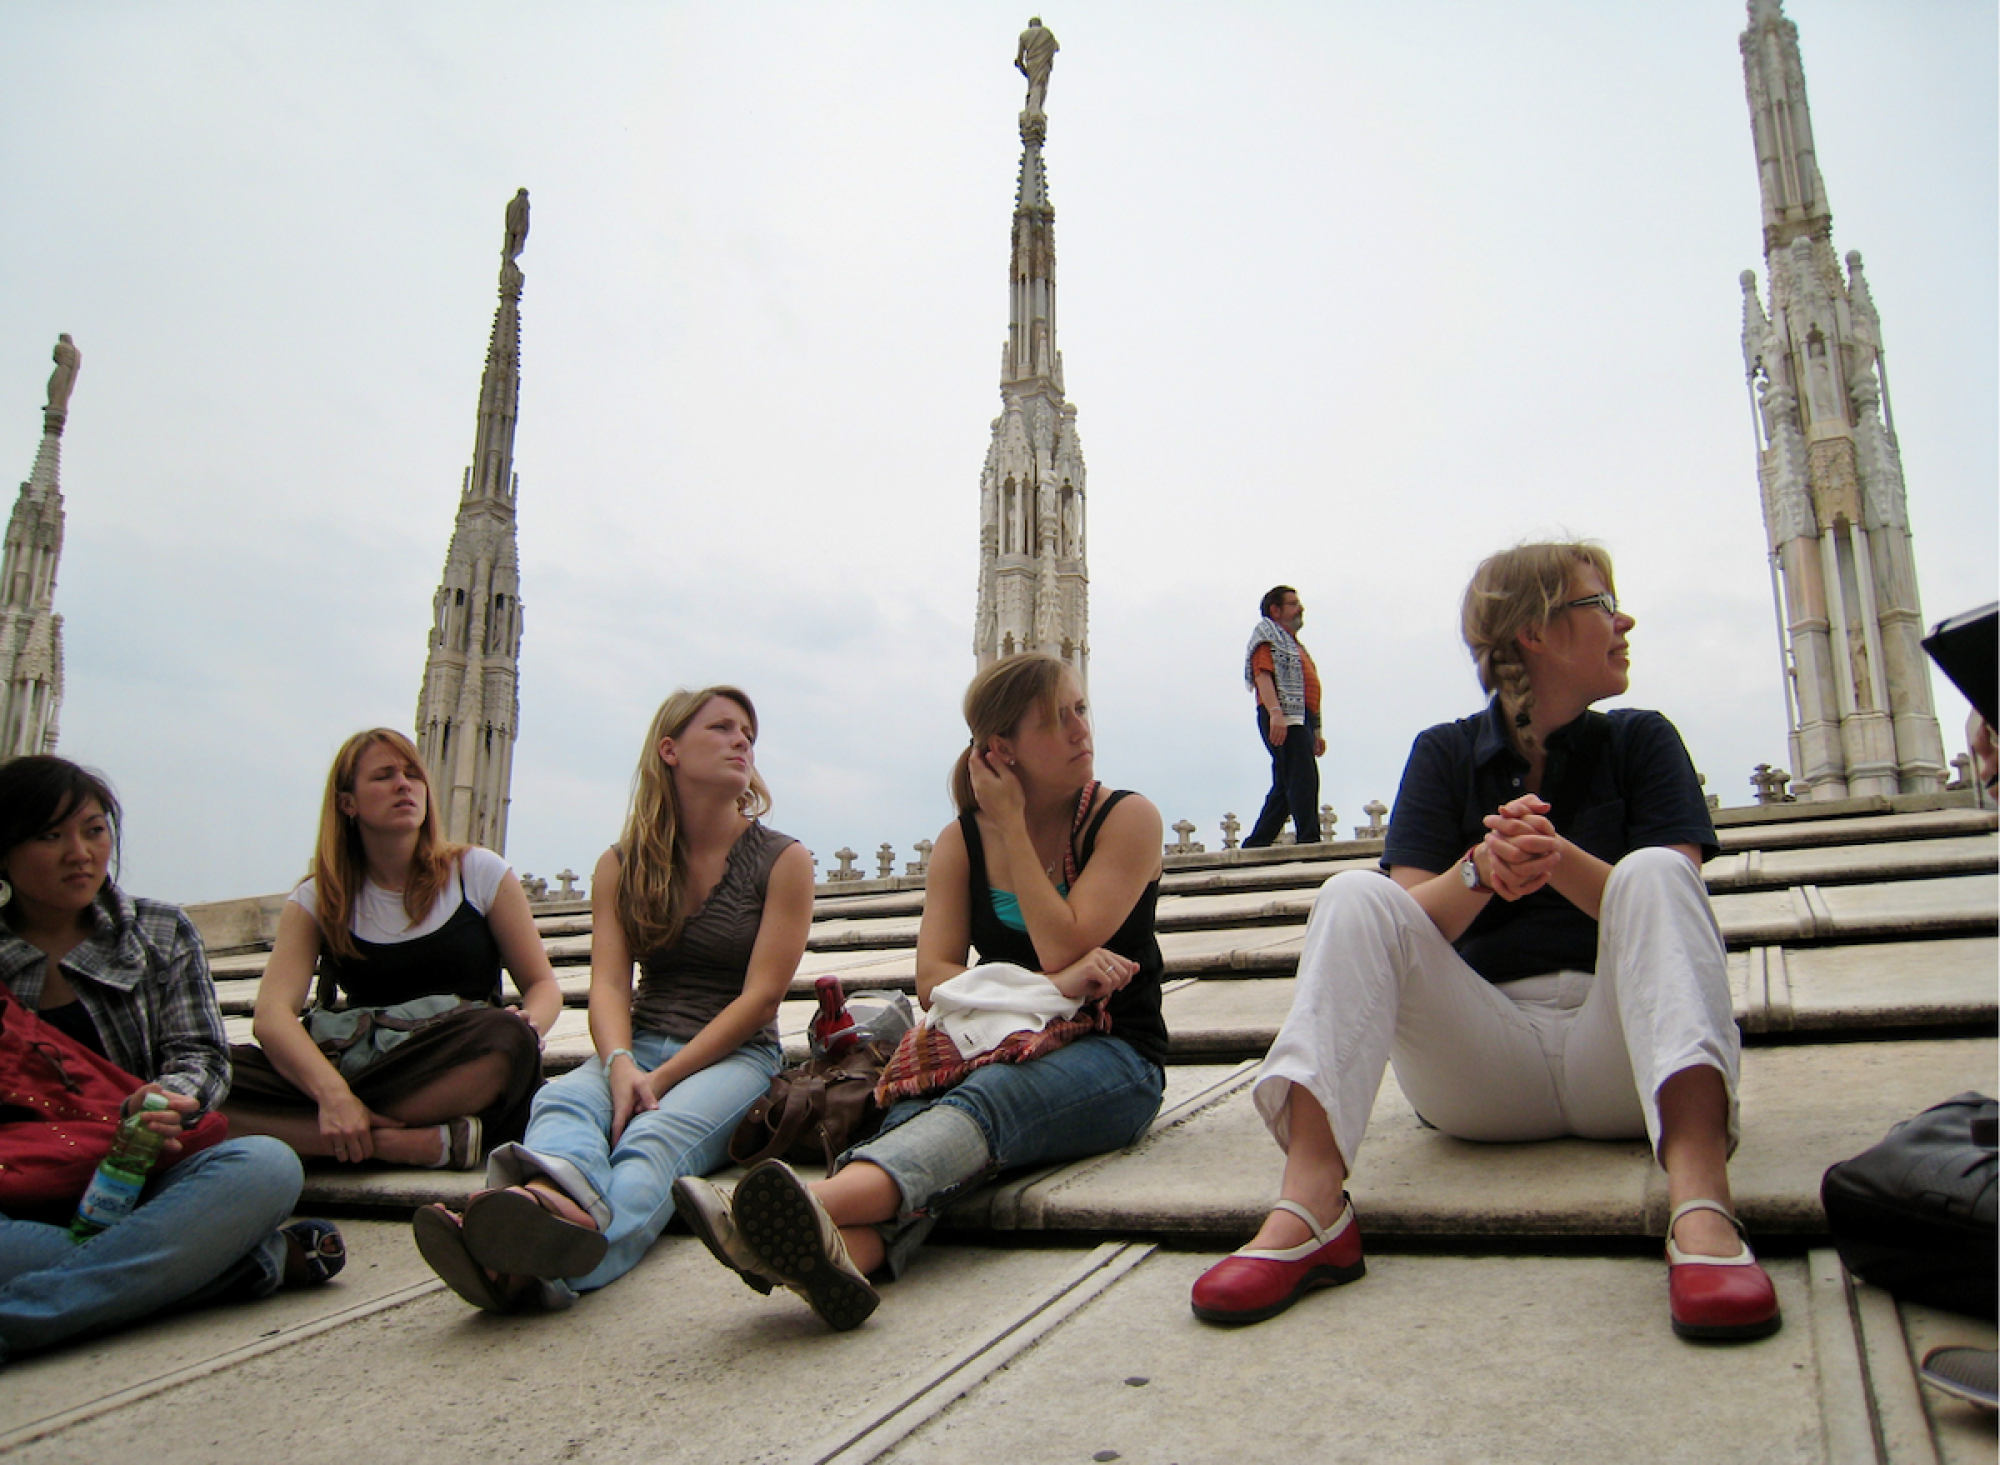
pixel 615 1052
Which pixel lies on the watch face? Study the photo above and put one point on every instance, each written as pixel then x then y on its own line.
pixel 1469 873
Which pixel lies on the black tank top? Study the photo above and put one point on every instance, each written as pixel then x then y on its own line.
pixel 459 957
pixel 1135 1007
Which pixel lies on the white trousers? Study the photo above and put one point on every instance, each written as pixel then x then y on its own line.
pixel 1565 1054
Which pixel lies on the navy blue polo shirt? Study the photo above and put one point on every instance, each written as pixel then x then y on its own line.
pixel 1615 782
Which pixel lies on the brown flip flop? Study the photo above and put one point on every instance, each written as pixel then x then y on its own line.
pixel 441 1243
pixel 519 1230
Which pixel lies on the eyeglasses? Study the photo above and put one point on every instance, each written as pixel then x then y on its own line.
pixel 1606 602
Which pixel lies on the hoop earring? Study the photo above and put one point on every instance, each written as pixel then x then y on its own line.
pixel 6 891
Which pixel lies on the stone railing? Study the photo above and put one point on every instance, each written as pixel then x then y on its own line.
pixel 1769 783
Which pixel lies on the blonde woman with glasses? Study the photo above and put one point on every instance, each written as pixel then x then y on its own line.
pixel 1540 959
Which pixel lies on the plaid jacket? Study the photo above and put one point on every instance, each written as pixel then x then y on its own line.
pixel 143 977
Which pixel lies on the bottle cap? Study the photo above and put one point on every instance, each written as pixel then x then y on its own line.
pixel 153 1102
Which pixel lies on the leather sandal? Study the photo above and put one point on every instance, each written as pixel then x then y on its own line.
pixel 1719 1299
pixel 1249 1286
pixel 441 1243
pixel 522 1230
pixel 789 1232
pixel 704 1209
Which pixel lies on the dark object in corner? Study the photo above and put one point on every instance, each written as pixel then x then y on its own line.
pixel 1919 1214
pixel 1967 650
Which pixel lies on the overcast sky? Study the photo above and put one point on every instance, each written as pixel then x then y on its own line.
pixel 1350 296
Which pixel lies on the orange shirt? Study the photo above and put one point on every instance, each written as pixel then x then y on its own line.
pixel 1261 663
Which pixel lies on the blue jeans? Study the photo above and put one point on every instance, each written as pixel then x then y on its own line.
pixel 186 1243
pixel 1095 1095
pixel 628 1187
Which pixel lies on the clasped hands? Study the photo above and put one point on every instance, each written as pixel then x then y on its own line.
pixel 1521 849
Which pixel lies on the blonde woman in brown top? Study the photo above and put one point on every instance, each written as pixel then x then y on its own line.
pixel 714 909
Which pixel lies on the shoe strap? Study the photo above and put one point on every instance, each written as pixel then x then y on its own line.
pixel 1677 1257
pixel 1703 1204
pixel 1321 1234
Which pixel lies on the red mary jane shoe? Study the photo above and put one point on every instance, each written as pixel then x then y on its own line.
pixel 1723 1299
pixel 1249 1286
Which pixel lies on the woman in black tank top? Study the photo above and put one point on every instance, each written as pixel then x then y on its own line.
pixel 1050 874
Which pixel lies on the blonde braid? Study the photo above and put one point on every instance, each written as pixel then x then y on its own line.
pixel 1517 697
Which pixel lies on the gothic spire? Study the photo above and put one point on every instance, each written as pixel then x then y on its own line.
pixel 1781 128
pixel 1033 578
pixel 1031 324
pixel 31 660
pixel 469 711
pixel 1857 686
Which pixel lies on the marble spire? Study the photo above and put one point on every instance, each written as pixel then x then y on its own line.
pixel 1033 579
pixel 31 660
pixel 1857 685
pixel 469 711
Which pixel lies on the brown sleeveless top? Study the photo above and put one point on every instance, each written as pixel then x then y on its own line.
pixel 683 986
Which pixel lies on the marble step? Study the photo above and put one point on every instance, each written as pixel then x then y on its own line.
pixel 1285 893
pixel 1782 857
pixel 1949 908
pixel 1821 992
pixel 1425 1357
pixel 1207 1169
pixel 1830 992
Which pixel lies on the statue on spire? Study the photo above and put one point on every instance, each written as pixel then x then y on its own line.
pixel 1035 58
pixel 67 359
pixel 517 226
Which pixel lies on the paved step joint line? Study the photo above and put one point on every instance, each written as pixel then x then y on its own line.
pixel 1895 1401
pixel 959 1375
pixel 1846 1422
pixel 147 1388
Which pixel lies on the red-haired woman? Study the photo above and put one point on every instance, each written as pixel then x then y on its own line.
pixel 415 930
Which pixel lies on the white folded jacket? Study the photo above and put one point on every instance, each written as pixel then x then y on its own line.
pixel 985 1005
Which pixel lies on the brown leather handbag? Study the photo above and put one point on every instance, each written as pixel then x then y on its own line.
pixel 813 1111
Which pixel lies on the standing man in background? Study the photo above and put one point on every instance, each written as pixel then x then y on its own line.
pixel 1278 669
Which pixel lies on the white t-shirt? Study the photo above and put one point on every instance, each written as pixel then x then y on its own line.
pixel 379 915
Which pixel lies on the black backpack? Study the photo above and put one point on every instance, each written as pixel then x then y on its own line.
pixel 1917 1213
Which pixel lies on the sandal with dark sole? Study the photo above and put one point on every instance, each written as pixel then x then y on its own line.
pixel 790 1232
pixel 520 1231
pixel 441 1243
pixel 315 1246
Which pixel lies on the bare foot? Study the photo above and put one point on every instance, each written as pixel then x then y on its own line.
pixel 554 1199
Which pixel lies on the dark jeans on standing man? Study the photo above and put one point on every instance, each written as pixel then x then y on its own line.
pixel 1294 784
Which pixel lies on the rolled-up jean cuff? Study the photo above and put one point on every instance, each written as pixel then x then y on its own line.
pixel 516 1164
pixel 929 1154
